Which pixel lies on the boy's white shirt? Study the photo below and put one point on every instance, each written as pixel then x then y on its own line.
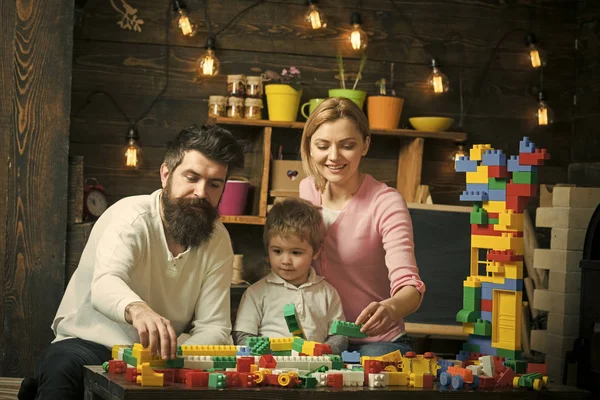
pixel 261 308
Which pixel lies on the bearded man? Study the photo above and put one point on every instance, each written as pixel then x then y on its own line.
pixel 153 265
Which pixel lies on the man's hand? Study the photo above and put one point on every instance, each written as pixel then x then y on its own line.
pixel 155 331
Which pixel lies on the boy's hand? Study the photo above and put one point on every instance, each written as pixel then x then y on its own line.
pixel 155 331
pixel 377 319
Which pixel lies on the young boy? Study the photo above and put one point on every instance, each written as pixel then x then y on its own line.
pixel 293 236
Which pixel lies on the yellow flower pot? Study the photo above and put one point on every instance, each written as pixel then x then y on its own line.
pixel 283 102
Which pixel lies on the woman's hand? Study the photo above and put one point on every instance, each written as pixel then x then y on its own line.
pixel 377 318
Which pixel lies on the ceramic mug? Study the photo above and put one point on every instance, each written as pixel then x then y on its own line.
pixel 312 104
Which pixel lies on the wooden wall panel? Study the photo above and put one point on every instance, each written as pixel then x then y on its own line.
pixel 35 72
pixel 499 109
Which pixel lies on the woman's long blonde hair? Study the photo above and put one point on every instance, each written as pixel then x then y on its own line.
pixel 330 110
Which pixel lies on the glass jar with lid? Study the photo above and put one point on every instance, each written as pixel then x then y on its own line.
pixel 236 86
pixel 217 106
pixel 235 107
pixel 254 87
pixel 253 108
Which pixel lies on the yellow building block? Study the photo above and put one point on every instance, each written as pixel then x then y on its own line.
pixel 508 241
pixel 495 267
pixel 394 356
pixel 281 344
pixel 147 376
pixel 508 220
pixel 416 380
pixel 513 270
pixel 469 327
pixel 142 355
pixel 477 151
pixel 481 176
pixel 116 348
pixel 494 206
pixel 208 350
pixel 506 319
pixel 472 281
pixel 398 378
pixel 499 280
pixel 308 347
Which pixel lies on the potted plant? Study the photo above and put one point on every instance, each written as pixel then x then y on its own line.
pixel 384 111
pixel 283 95
pixel 357 96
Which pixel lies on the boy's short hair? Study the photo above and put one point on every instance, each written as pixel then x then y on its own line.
pixel 294 216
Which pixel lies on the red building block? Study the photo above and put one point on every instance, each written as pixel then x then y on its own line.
pixel 131 374
pixel 516 203
pixel 335 381
pixel 486 381
pixel 322 349
pixel 371 367
pixel 486 305
pixel 246 379
pixel 536 158
pixel 498 171
pixel 503 256
pixel 486 230
pixel 232 379
pixel 168 375
pixel 521 189
pixel 427 381
pixel 117 367
pixel 498 367
pixel 244 363
pixel 267 361
pixel 196 379
pixel 180 374
pixel 272 379
pixel 505 378
pixel 539 368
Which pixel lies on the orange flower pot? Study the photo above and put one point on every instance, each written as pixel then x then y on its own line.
pixel 384 111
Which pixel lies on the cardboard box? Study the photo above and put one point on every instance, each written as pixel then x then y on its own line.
pixel 286 175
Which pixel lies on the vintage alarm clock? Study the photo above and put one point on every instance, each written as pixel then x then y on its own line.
pixel 94 199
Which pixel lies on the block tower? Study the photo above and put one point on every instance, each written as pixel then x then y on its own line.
pixel 492 293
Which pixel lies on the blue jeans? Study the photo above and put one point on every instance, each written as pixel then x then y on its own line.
pixel 376 349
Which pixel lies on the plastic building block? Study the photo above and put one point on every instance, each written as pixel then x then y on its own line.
pixel 176 363
pixel 519 366
pixel 216 381
pixel 514 165
pixel 498 171
pixel 147 377
pixel 497 194
pixel 486 315
pixel 533 380
pixel 322 349
pixel 293 324
pixel 534 367
pixel 481 176
pixel 526 145
pixel 497 183
pixel 521 189
pixel 335 380
pixel 467 316
pixel 336 361
pixel 478 215
pixel 485 230
pixel 493 158
pixel 472 298
pixel 116 367
pixel 509 353
pixel 505 378
pixel 267 361
pixel 196 379
pixel 530 178
pixel 247 379
pixel 483 328
pixel 492 206
pixel 131 374
pixel 243 351
pixel 297 344
pixel 477 151
pixel 516 203
pixel 510 220
pixel 474 187
pixel 308 382
pixel 351 357
pixel 281 344
pixel 474 196
pixel 349 329
pixel 465 164
pixel 508 241
pixel 224 362
pixel 536 158
pixel 486 305
pixel 168 375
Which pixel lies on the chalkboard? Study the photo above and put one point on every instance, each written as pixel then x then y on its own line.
pixel 442 236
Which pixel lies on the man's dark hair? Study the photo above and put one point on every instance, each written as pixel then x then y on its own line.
pixel 213 142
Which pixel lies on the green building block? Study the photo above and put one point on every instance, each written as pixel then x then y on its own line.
pixel 493 221
pixel 105 366
pixel 497 183
pixel 176 363
pixel 322 368
pixel 529 178
pixel 293 324
pixel 336 361
pixel 471 348
pixel 224 362
pixel 467 316
pixel 128 358
pixel 179 351
pixel 512 354
pixel 483 328
pixel 308 382
pixel 519 366
pixel 344 328
pixel 478 215
pixel 260 349
pixel 253 341
pixel 216 381
pixel 282 353
pixel 297 344
pixel 472 298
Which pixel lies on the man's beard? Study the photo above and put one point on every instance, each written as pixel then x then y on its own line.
pixel 189 221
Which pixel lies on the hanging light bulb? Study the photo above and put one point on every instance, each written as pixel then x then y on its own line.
pixel 208 63
pixel 358 37
pixel 314 16
pixel 545 115
pixel 438 80
pixel 133 152
pixel 536 55
pixel 182 19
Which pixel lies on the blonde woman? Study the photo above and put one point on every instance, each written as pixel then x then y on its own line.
pixel 368 253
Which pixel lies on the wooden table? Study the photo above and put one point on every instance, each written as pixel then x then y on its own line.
pixel 99 385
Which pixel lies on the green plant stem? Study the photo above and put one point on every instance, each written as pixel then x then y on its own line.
pixel 363 61
pixel 340 61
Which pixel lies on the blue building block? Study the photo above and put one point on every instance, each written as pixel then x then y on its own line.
pixel 243 351
pixel 486 315
pixel 486 291
pixel 473 196
pixel 463 355
pixel 493 158
pixel 351 357
pixel 474 187
pixel 509 284
pixel 484 343
pixel 465 164
pixel 526 145
pixel 497 194
pixel 514 166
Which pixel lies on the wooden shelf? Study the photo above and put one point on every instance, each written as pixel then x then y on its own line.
pixel 243 219
pixel 411 133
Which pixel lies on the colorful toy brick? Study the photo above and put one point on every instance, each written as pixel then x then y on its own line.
pixel 474 196
pixel 498 171
pixel 465 164
pixel 291 319
pixel 493 158
pixel 147 377
pixel 216 381
pixel 349 329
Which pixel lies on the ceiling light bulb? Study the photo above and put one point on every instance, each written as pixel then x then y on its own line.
pixel 536 55
pixel 208 63
pixel 133 152
pixel 188 28
pixel 358 37
pixel 544 115
pixel 314 16
pixel 438 80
